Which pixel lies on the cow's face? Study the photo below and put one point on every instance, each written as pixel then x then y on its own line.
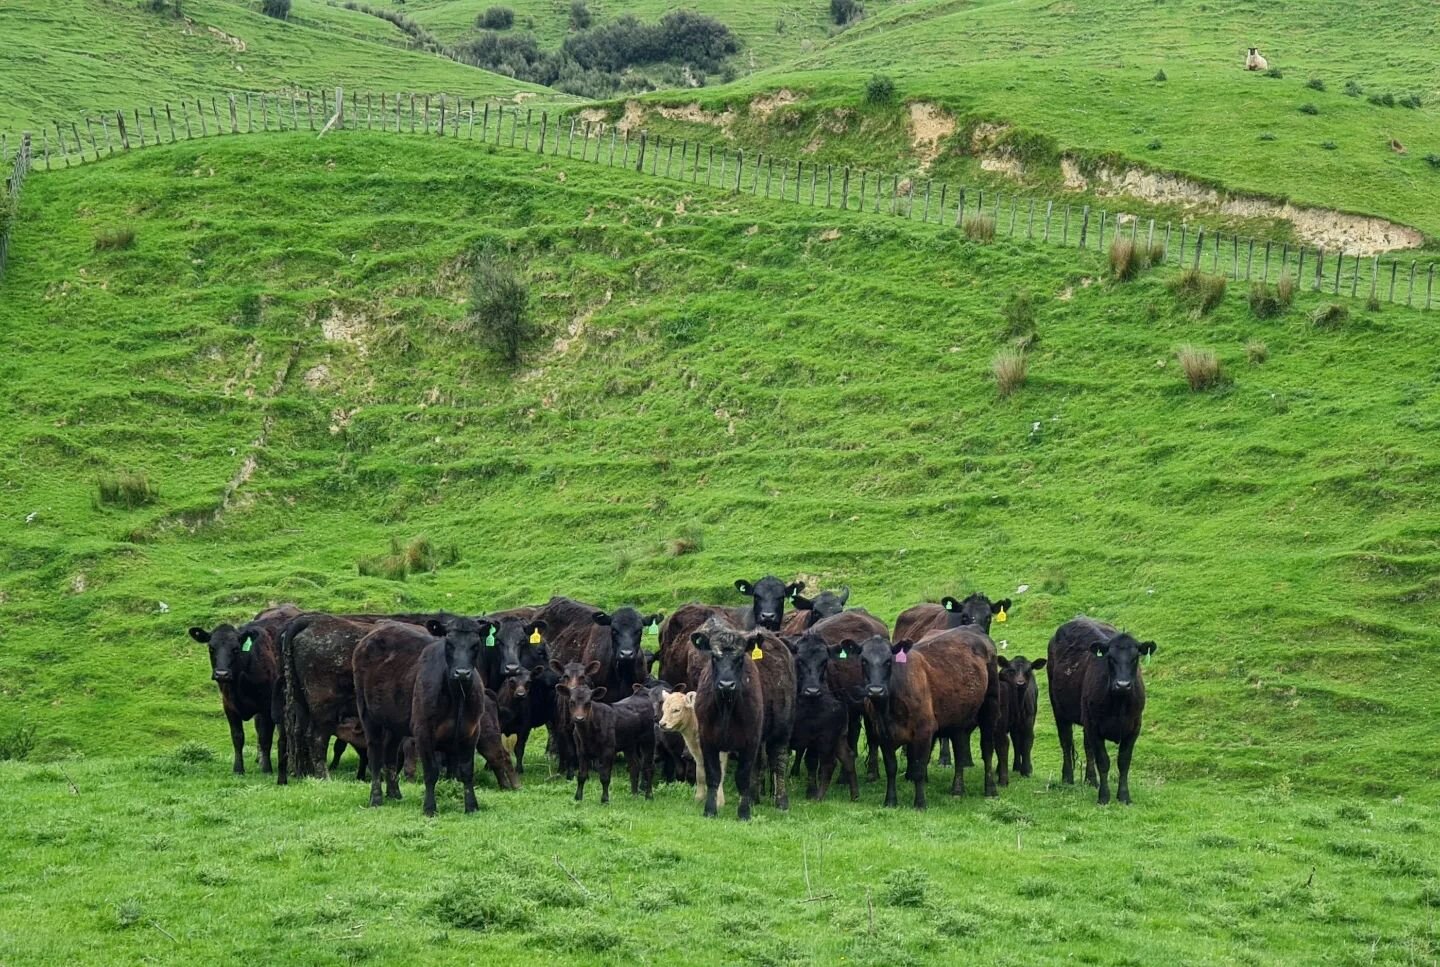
pixel 812 656
pixel 677 711
pixel 877 663
pixel 627 626
pixel 1121 655
pixel 729 651
pixel 975 610
pixel 581 700
pixel 512 641
pixel 824 605
pixel 463 637
pixel 522 679
pixel 1018 672
pixel 769 594
pixel 573 673
pixel 227 645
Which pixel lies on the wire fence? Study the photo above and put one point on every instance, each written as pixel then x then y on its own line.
pixel 10 200
pixel 569 134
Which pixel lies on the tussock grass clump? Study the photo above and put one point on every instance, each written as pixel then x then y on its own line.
pixel 1433 160
pixel 1127 259
pixel 127 490
pixel 1275 73
pixel 1373 304
pixel 17 741
pixel 114 239
pixel 1160 76
pixel 1201 367
pixel 1315 84
pixel 906 887
pixel 1263 301
pixel 1010 367
pixel 979 228
pixel 1329 316
pixel 690 540
pixel 419 556
pixel 1199 290
pixel 1285 289
pixel 1353 89
pixel 1256 351
pixel 1155 252
pixel 1309 109
pixel 1019 312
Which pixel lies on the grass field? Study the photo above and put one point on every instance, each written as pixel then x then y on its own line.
pixel 282 353
pixel 70 58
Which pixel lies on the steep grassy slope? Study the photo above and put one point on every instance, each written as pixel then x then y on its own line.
pixel 1083 75
pixel 282 353
pixel 65 59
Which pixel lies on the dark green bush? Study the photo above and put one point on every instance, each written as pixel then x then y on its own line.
pixel 499 315
pixel 1160 75
pixel 496 18
pixel 279 9
pixel 844 12
pixel 580 16
pixel 1315 84
pixel 880 89
pixel 1309 109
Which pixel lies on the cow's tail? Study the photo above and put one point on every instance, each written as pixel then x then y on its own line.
pixel 293 719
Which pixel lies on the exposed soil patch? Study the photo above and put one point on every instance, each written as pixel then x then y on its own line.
pixel 346 327
pixel 764 105
pixel 929 126
pixel 695 114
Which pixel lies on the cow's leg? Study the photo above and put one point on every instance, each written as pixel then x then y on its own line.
pixel 582 768
pixel 647 769
pixel 944 750
pixel 745 779
pixel 1024 743
pixel 828 758
pixel 847 759
pixel 265 738
pixel 522 736
pixel 874 753
pixel 1067 752
pixel 693 744
pixel 282 775
pixel 339 751
pixel 709 770
pixel 798 764
pixel 1001 743
pixel 237 739
pixel 430 766
pixel 607 766
pixel 957 781
pixel 393 741
pixel 988 742
pixel 632 762
pixel 1127 748
pixel 890 768
pixel 1098 756
pixel 778 758
pixel 375 740
pixel 810 757
pixel 917 767
pixel 362 767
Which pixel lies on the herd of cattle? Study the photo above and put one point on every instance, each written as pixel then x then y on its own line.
pixel 753 682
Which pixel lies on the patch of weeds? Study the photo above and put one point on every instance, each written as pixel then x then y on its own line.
pixel 1329 316
pixel 1037 888
pixel 466 905
pixel 1215 840
pixel 1257 352
pixel 17 741
pixel 419 556
pixel 1275 73
pixel 128 913
pixel 905 887
pixel 1007 812
pixel 115 239
pixel 1328 145
pixel 214 876
pixel 1309 109
pixel 1267 136
pixel 1354 849
pixel 1315 84
pixel 323 843
pixel 1198 290
pixel 1263 301
pixel 127 490
pixel 979 228
pixel 1201 367
pixel 1160 76
pixel 1353 89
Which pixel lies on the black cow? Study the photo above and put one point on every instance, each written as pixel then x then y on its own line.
pixel 567 675
pixel 808 611
pixel 1017 713
pixel 768 600
pixel 1096 683
pixel 511 647
pixel 245 666
pixel 601 731
pixel 673 758
pixel 822 718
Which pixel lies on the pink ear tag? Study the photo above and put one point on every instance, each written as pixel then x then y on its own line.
pixel 901 657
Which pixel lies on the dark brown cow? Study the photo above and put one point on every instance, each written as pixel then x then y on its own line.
pixel 581 632
pixel 1017 713
pixel 843 675
pixel 600 731
pixel 568 675
pixel 810 610
pixel 916 692
pixel 766 610
pixel 245 666
pixel 745 706
pixel 1096 683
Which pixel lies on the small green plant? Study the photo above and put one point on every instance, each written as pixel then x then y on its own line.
pixel 496 18
pixel 17 741
pixel 250 309
pixel 1010 368
pixel 1329 316
pixel 1411 101
pixel 1155 253
pixel 1160 76
pixel 1263 301
pixel 1267 136
pixel 1019 312
pixel 1328 145
pixel 128 913
pixel 192 753
pixel 1275 72
pixel 905 887
pixel 979 228
pixel 1155 144
pixel 1201 291
pixel 1309 109
pixel 279 9
pixel 1315 84
pixel 127 490
pixel 419 556
pixel 499 310
pixel 880 89
pixel 1353 89
pixel 1285 289
pixel 689 540
pixel 1201 367
pixel 1382 100
pixel 1433 160
pixel 1257 352
pixel 114 239
pixel 1127 259
pixel 1373 304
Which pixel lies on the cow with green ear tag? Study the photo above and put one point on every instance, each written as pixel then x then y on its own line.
pixel 245 666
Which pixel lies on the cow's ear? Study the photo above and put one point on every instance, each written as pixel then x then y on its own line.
pixel 1003 661
pixel 844 595
pixel 802 603
pixel 905 644
pixel 1101 648
pixel 997 606
pixel 1147 647
pixel 562 689
pixel 435 628
pixel 534 626
pixel 653 619
pixel 744 587
pixel 794 588
pixel 601 618
pixel 1038 664
pixel 200 635
pixel 701 641
pixel 592 669
pixel 637 688
pixel 598 694
pixel 949 603
pixel 689 699
pixel 556 667
pixel 679 688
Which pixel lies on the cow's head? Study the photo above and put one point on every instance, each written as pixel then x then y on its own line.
pixel 521 681
pixel 729 650
pixel 1019 671
pixel 463 637
pixel 574 673
pixel 229 647
pixel 769 594
pixel 974 610
pixel 824 605
pixel 627 626
pixel 512 642
pixel 1121 655
pixel 877 663
pixel 677 711
pixel 581 699
pixel 812 656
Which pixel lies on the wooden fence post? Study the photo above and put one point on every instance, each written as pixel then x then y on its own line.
pixel 845 190
pixel 1199 246
pixel 1410 291
pixel 544 127
pixel 1084 224
pixel 139 127
pixel 1049 211
pixel 1429 284
pixel 234 116
pixel 120 126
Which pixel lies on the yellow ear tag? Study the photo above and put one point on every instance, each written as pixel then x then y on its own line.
pixel 1000 617
pixel 535 637
pixel 757 654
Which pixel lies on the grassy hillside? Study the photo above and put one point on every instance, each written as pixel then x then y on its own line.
pixel 282 353
pixel 64 59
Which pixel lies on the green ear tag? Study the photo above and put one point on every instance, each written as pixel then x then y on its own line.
pixel 1147 659
pixel 652 629
pixel 844 653
pixel 251 641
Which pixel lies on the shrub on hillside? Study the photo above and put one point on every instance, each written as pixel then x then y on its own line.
pixel 1199 290
pixel 1382 100
pixel 979 228
pixel 1373 304
pixel 1010 368
pixel 1155 252
pixel 1019 313
pixel 1275 72
pixel 127 490
pixel 1353 89
pixel 1309 109
pixel 499 310
pixel 496 18
pixel 1160 76
pixel 1329 316
pixel 844 12
pixel 580 17
pixel 279 9
pixel 114 239
pixel 1411 101
pixel 1263 302
pixel 880 89
pixel 1201 367
pixel 1315 84
pixel 1433 160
